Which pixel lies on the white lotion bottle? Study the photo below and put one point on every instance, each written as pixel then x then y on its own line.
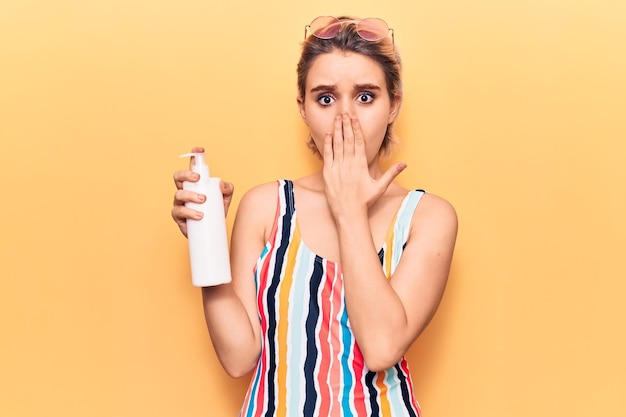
pixel 208 241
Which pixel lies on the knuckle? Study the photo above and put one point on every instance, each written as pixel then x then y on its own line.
pixel 178 197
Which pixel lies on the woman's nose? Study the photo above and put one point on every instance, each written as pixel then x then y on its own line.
pixel 345 107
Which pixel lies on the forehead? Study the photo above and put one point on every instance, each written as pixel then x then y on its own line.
pixel 345 67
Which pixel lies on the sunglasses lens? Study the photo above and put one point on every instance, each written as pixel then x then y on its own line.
pixel 372 29
pixel 325 27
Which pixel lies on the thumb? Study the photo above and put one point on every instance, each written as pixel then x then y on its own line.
pixel 391 173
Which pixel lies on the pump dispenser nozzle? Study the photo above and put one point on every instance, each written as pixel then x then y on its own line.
pixel 199 165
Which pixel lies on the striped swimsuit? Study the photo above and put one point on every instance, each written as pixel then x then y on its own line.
pixel 310 364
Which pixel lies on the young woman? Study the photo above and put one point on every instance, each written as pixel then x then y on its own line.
pixel 335 274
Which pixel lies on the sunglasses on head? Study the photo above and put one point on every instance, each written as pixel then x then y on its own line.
pixel 371 29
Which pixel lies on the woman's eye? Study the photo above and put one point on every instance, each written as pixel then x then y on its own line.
pixel 365 98
pixel 325 100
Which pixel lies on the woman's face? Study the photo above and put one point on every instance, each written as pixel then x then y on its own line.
pixel 350 83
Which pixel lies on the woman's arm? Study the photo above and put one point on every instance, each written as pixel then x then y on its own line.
pixel 230 310
pixel 388 315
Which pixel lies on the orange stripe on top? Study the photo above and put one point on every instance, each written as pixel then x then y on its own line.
pixel 385 409
pixel 283 324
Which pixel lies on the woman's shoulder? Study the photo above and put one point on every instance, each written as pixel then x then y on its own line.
pixel 257 208
pixel 436 204
pixel 435 213
pixel 261 195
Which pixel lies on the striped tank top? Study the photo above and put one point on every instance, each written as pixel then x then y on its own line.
pixel 310 364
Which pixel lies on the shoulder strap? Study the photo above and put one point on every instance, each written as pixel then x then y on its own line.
pixel 405 213
pixel 401 226
pixel 286 194
pixel 285 209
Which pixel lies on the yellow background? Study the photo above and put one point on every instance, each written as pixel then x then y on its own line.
pixel 514 112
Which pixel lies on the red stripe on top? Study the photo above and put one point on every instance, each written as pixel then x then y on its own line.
pixel 336 342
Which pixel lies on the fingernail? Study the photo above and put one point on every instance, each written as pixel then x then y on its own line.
pixel 201 198
pixel 199 215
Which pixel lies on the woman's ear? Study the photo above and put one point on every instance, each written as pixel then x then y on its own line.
pixel 394 110
pixel 301 108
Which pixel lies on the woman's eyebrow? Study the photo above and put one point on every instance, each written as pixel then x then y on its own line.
pixel 323 87
pixel 367 86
